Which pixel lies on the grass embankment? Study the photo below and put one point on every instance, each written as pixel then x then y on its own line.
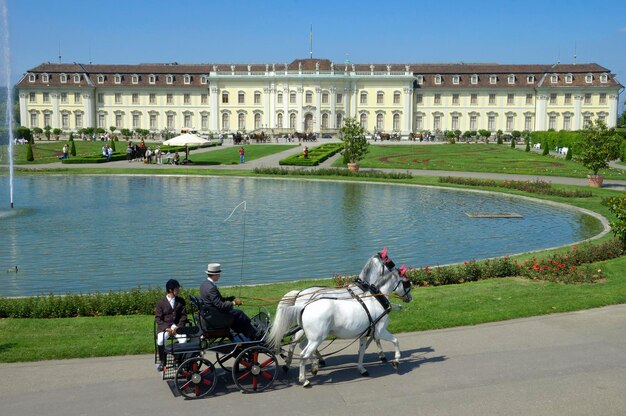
pixel 475 158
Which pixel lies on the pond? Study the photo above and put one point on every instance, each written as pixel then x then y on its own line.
pixel 79 234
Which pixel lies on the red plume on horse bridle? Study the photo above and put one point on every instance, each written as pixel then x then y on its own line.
pixel 403 270
pixel 383 254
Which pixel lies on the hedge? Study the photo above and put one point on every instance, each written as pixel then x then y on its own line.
pixel 317 155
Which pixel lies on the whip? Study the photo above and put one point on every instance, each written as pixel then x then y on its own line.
pixel 243 240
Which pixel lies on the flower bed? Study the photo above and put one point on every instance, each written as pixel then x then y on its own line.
pixel 535 187
pixel 317 155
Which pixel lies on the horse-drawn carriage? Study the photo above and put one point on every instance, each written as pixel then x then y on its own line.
pixel 358 311
pixel 386 136
pixel 305 137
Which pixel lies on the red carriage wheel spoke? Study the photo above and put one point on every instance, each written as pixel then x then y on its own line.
pixel 254 382
pixel 244 376
pixel 266 375
pixel 266 362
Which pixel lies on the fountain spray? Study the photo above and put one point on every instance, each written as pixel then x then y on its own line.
pixel 9 100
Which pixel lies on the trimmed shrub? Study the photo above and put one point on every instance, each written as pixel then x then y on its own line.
pixel 535 187
pixel 317 155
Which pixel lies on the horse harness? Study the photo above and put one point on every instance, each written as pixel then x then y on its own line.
pixel 382 299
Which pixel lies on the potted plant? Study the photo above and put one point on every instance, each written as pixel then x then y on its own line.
pixel 352 134
pixel 599 145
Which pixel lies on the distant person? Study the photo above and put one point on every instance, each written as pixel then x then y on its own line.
pixel 176 158
pixel 170 314
pixel 109 153
pixel 242 155
pixel 306 152
pixel 65 151
pixel 129 152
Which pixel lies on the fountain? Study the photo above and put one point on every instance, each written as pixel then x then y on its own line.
pixel 9 99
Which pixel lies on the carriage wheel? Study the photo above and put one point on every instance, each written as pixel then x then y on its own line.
pixel 195 378
pixel 255 369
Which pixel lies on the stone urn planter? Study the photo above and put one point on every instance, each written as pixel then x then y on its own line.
pixel 595 181
pixel 353 167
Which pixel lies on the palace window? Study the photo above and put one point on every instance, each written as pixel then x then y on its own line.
pixel 554 78
pixel 241 121
pixel 509 123
pixel 187 99
pixel 511 79
pixel 587 98
pixel 528 123
pixel 100 98
pixel 225 99
pixel 169 99
pixel 455 122
pixel 78 120
pixel 63 78
pixel 204 122
pixel 437 79
pixel 419 122
pixel 339 98
pixel 437 99
pixel 420 79
pixel 604 78
pixel 136 123
pixel 325 98
pixel 308 97
pixel 568 98
pixel 135 79
pixel 586 120
pixel 187 79
pixel 474 79
pixel 510 99
pixel 474 99
pixel 46 119
pixel 363 98
pixel 135 98
pixel 257 121
pixel 101 120
pixel 63 98
pixel 34 120
pixel 187 121
pixel 65 120
pixel 493 79
pixel 46 97
pixel 529 99
pixel 552 122
pixel 152 98
pixel 456 79
pixel 455 99
pixel 491 123
pixel 363 120
pixel 279 98
pixel 396 122
pixel 153 122
pixel 204 99
pixel 203 81
pixel 100 79
pixel 292 121
pixel 292 97
pixel 603 98
pixel 241 97
pixel 437 122
pixel 118 98
pixel 339 120
pixel 567 122
pixel 225 121
pixel 380 97
pixel 492 99
pixel 45 78
pixel 32 97
pixel 325 121
pixel 552 98
pixel 396 97
pixel 380 122
pixel 76 78
pixel 118 121
pixel 152 79
pixel 530 79
pixel 589 78
pixel 31 77
pixel 117 79
pixel 279 121
pixel 170 122
pixel 568 78
pixel 169 79
pixel 419 98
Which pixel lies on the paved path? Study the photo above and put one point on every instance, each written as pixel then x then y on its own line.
pixel 563 364
pixel 272 161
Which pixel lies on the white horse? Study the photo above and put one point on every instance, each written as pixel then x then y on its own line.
pixel 347 315
pixel 372 269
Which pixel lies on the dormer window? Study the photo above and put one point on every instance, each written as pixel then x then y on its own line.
pixel 31 77
pixel 45 78
pixel 63 78
pixel 187 79
pixel 530 79
pixel 604 78
pixel 456 79
pixel 568 78
pixel 203 79
pixel 76 78
pixel 100 79
pixel 511 79
pixel 554 78
pixel 420 79
pixel 152 79
pixel 493 79
pixel 474 79
pixel 169 79
pixel 135 79
pixel 437 79
pixel 588 78
pixel 118 79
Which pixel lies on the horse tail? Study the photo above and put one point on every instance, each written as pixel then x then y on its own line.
pixel 286 316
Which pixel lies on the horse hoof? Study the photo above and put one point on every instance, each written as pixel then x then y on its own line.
pixel 285 369
pixel 383 359
pixel 395 364
pixel 307 384
pixel 365 373
pixel 322 363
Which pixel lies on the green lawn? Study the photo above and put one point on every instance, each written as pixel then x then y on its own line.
pixel 230 155
pixel 49 152
pixel 474 158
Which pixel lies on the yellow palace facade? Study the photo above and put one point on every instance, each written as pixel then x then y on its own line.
pixel 316 95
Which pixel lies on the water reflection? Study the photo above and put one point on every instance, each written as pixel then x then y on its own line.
pixel 88 233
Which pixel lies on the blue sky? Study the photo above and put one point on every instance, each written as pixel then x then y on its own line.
pixel 185 31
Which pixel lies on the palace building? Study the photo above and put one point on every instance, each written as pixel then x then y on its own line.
pixel 316 95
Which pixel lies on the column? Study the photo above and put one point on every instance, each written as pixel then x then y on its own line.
pixel 24 116
pixel 353 100
pixel 267 112
pixel 542 104
pixel 333 108
pixel 55 110
pixel 299 116
pixel 612 119
pixel 90 110
pixel 317 124
pixel 578 100
pixel 406 112
pixel 214 117
pixel 286 99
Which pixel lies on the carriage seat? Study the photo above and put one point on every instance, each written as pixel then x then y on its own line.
pixel 212 323
pixel 193 345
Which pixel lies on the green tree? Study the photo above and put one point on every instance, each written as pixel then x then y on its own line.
pixel 72 148
pixel 484 134
pixel 527 149
pixel 37 131
pixel 568 155
pixel 47 131
pixel 29 153
pixel 598 146
pixel 617 205
pixel 57 132
pixel 546 149
pixel 24 133
pixel 355 145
